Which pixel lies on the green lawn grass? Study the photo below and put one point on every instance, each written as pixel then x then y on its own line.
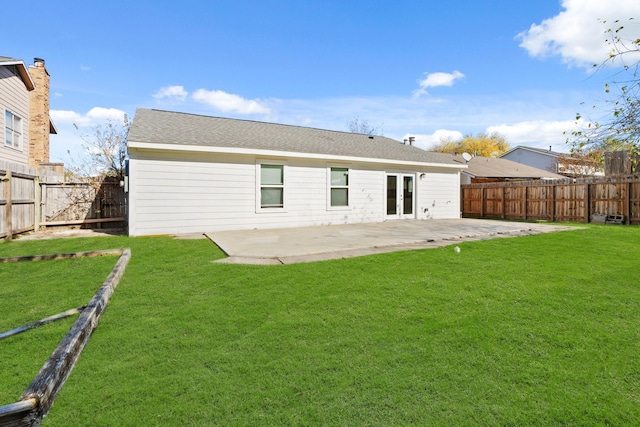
pixel 536 330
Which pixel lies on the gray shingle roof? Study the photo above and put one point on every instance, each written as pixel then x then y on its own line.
pixel 166 127
pixel 488 167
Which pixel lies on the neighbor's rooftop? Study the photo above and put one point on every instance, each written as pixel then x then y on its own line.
pixel 490 167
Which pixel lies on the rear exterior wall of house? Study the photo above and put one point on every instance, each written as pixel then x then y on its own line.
pixel 180 192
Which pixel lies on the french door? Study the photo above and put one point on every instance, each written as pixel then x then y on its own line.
pixel 400 196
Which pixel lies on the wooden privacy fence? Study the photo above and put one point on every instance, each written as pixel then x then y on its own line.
pixel 18 207
pixel 562 201
pixel 27 204
pixel 83 204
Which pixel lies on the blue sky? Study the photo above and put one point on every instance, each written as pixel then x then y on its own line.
pixel 422 68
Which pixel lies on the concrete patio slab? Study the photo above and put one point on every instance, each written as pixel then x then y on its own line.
pixel 307 244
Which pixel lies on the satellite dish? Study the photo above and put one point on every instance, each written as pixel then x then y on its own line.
pixel 466 157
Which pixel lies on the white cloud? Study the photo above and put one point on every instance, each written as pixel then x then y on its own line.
pixel 93 117
pixel 99 113
pixel 174 93
pixel 84 68
pixel 230 103
pixel 435 80
pixel 426 142
pixel 67 145
pixel 540 133
pixel 577 34
pixel 64 116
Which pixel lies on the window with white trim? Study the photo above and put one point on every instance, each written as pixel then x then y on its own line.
pixel 13 130
pixel 339 187
pixel 271 186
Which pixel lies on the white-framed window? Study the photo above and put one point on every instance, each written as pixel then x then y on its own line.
pixel 338 191
pixel 13 130
pixel 271 186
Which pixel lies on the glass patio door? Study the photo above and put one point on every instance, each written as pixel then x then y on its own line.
pixel 400 199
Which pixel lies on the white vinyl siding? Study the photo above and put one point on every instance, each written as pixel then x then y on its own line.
pixel 14 97
pixel 194 193
pixel 542 161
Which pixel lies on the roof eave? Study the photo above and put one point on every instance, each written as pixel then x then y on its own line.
pixel 23 72
pixel 532 150
pixel 289 154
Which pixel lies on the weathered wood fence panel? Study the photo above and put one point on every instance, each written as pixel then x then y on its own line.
pixel 82 203
pixel 28 204
pixel 17 202
pixel 564 201
pixel 570 203
pixel 23 202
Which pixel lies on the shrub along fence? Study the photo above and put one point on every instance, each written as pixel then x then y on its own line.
pixel 575 200
pixel 29 202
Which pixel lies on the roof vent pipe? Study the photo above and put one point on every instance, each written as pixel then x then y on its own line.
pixel 412 140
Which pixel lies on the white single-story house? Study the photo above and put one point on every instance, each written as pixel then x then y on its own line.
pixel 190 173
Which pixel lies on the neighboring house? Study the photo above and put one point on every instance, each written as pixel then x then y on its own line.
pixel 15 85
pixel 488 169
pixel 552 161
pixel 535 157
pixel 24 104
pixel 191 173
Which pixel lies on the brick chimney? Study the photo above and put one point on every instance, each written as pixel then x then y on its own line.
pixel 40 125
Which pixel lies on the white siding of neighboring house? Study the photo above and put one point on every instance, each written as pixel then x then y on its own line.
pixel 531 158
pixel 15 98
pixel 189 193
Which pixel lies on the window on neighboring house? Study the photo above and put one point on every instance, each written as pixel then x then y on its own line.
pixel 339 187
pixel 271 186
pixel 13 130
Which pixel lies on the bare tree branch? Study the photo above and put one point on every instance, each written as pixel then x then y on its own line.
pixel 621 113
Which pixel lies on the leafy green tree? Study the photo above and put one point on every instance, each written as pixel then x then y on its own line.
pixel 482 144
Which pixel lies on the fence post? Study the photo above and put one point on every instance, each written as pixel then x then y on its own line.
pixel 587 203
pixel 553 203
pixel 482 202
pixel 7 196
pixel 627 205
pixel 526 201
pixel 504 201
pixel 37 198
